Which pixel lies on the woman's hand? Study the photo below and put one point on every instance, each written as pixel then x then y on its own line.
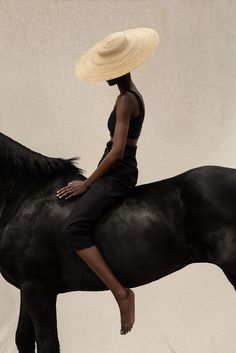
pixel 74 188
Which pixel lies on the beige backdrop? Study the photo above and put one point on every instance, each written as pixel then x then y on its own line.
pixel 189 89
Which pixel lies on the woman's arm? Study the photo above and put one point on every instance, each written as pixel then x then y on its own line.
pixel 124 110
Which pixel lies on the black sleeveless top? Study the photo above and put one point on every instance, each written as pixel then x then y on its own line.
pixel 136 122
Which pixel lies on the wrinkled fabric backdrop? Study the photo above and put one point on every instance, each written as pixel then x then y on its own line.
pixel 189 88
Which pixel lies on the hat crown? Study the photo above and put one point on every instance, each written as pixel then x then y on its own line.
pixel 112 44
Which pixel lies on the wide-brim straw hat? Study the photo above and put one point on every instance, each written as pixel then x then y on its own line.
pixel 117 54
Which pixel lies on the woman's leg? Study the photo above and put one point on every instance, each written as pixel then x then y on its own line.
pixel 77 231
pixel 124 296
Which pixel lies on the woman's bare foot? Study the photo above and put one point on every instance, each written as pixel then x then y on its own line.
pixel 126 304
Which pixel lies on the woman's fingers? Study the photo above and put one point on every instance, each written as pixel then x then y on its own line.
pixel 73 194
pixel 64 189
pixel 65 193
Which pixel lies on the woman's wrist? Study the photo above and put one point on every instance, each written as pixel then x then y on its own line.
pixel 87 183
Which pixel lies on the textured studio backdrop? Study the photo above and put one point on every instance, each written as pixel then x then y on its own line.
pixel 189 88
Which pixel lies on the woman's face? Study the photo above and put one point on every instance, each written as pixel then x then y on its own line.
pixel 112 82
pixel 117 80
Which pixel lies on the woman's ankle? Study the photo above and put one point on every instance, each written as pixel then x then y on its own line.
pixel 122 293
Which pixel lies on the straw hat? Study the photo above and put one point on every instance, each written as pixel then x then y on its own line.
pixel 117 54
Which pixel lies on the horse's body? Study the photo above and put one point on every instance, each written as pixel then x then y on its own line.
pixel 158 228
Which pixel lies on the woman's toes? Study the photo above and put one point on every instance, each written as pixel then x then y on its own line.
pixel 123 331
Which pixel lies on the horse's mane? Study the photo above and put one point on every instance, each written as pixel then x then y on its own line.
pixel 17 160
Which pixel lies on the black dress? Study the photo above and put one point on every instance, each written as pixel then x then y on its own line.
pixel 104 192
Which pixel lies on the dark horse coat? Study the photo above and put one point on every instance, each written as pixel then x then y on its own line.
pixel 158 228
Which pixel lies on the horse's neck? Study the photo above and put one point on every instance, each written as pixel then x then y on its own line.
pixel 8 187
pixel 2 206
pixel 11 192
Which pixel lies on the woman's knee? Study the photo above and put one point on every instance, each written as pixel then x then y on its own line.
pixel 65 229
pixel 77 228
pixel 77 237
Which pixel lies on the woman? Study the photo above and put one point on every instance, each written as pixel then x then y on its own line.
pixel 111 59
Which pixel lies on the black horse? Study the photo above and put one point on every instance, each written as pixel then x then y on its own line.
pixel 156 229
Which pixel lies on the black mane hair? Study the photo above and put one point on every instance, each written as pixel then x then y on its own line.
pixel 19 161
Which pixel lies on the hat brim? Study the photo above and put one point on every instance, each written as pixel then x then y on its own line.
pixel 142 44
